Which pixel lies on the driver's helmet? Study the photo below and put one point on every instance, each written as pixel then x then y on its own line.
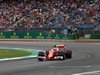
pixel 55 45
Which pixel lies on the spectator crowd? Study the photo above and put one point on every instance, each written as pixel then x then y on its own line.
pixel 50 13
pixel 11 11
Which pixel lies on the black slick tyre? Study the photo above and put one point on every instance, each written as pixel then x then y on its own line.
pixel 68 54
pixel 40 54
pixel 54 54
pixel 61 53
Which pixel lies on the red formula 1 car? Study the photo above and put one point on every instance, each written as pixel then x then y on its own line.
pixel 58 52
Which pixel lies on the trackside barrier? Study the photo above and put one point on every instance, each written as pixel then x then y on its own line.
pixel 35 35
pixel 95 36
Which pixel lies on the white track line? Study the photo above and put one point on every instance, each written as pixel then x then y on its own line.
pixel 85 73
pixel 69 66
pixel 17 58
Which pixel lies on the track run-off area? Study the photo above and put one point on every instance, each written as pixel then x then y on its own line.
pixel 85 60
pixel 33 52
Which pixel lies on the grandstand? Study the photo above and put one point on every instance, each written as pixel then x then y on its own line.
pixel 27 15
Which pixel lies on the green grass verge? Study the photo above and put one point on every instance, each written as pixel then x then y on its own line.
pixel 11 53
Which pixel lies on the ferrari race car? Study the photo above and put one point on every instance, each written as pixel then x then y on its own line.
pixel 58 52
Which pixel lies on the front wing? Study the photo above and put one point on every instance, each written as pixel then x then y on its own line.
pixel 56 57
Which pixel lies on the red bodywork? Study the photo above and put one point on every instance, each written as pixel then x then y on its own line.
pixel 50 53
pixel 56 50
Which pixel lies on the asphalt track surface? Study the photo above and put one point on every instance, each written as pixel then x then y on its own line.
pixel 86 58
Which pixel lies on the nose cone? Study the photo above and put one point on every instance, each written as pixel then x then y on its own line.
pixel 50 55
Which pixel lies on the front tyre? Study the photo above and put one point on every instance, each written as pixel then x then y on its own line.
pixel 61 53
pixel 40 54
pixel 54 54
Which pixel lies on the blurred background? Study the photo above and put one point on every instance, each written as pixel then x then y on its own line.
pixel 63 16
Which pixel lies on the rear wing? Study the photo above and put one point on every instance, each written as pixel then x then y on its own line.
pixel 60 46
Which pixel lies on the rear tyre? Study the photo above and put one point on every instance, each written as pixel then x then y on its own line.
pixel 40 54
pixel 61 53
pixel 69 54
